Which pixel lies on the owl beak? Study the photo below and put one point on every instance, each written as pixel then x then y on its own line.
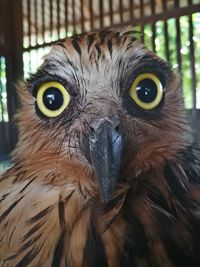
pixel 105 149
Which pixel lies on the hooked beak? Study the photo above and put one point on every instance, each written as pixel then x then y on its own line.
pixel 104 149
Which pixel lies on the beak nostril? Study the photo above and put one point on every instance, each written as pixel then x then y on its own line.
pixel 97 124
pixel 117 128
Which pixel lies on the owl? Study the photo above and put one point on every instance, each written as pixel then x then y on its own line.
pixel 104 173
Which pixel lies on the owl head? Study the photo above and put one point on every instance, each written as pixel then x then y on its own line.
pixel 100 112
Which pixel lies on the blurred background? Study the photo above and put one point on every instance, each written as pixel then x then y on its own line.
pixel 28 28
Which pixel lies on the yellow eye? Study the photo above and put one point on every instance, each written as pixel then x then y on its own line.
pixel 147 91
pixel 52 99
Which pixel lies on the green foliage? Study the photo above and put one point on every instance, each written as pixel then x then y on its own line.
pixel 3 93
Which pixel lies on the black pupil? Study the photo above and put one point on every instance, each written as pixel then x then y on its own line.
pixel 146 90
pixel 53 98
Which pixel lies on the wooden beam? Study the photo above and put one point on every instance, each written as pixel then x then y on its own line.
pixel 13 37
pixel 164 16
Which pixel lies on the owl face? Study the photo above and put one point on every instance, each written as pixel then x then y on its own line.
pixel 105 103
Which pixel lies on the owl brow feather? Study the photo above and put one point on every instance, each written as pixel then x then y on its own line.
pixel 74 74
pixel 151 63
pixel 91 40
pixel 68 61
pixel 84 90
pixel 75 42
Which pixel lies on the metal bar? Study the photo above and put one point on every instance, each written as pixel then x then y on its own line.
pixel 36 20
pixel 1 91
pixel 193 73
pixel 176 3
pixel 101 12
pixel 131 8
pixel 178 44
pixel 141 15
pixel 3 137
pixel 170 13
pixel 51 17
pixel 82 16
pixel 58 18
pixel 34 47
pixel 166 35
pixel 141 8
pixel 167 51
pixel 178 38
pixel 43 20
pixel 73 16
pixel 29 21
pixel 125 9
pixel 111 11
pixel 153 27
pixel 121 10
pixel 91 16
pixel 66 16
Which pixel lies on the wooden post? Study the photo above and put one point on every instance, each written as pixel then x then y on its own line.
pixel 13 53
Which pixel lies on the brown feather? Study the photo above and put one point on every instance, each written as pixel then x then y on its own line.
pixel 51 208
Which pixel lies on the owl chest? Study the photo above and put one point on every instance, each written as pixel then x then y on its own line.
pixel 89 237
